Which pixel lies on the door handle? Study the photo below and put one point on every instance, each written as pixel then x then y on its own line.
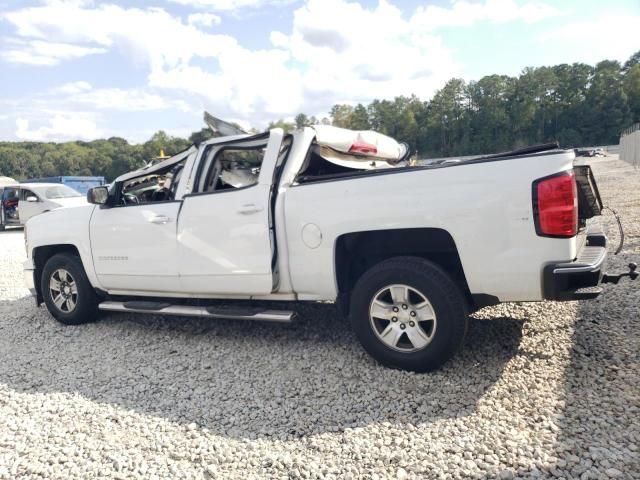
pixel 249 208
pixel 160 219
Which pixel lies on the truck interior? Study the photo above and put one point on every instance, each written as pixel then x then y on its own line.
pixel 231 168
pixel 159 186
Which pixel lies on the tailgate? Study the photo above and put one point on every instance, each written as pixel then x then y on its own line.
pixel 589 201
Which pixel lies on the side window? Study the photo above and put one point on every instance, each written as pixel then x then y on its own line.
pixel 24 194
pixel 159 186
pixel 10 194
pixel 233 168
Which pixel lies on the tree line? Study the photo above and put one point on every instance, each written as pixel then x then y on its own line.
pixel 575 105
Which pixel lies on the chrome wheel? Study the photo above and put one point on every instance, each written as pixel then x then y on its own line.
pixel 63 290
pixel 402 318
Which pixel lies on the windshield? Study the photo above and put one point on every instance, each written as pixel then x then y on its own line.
pixel 60 191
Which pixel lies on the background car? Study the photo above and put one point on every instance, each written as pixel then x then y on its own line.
pixel 23 201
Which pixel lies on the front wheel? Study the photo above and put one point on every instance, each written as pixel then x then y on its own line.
pixel 408 314
pixel 66 291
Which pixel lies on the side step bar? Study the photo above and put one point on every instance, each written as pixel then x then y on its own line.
pixel 281 316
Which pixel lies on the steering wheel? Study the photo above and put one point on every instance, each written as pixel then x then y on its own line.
pixel 161 195
pixel 129 198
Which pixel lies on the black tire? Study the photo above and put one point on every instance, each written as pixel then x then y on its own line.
pixel 86 301
pixel 428 279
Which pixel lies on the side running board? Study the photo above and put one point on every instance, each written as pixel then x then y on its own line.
pixel 282 316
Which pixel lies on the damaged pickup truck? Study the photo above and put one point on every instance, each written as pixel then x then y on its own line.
pixel 326 214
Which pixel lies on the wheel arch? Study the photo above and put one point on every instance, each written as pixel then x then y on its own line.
pixel 356 252
pixel 40 256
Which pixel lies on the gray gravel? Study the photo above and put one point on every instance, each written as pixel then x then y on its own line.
pixel 540 390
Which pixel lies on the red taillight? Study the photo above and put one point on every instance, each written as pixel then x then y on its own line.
pixel 364 148
pixel 555 204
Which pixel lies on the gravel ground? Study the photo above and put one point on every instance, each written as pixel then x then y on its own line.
pixel 540 390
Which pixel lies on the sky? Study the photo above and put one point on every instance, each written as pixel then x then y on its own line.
pixel 87 69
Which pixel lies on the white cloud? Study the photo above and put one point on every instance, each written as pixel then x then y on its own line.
pixel 203 19
pixel 129 100
pixel 125 100
pixel 230 5
pixel 44 53
pixel 246 79
pixel 151 35
pixel 582 41
pixel 71 126
pixel 72 88
pixel 335 51
pixel 465 13
pixel 350 52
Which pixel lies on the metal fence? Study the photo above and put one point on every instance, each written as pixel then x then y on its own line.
pixel 630 145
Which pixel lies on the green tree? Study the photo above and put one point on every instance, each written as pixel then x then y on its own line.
pixel 301 120
pixel 360 118
pixel 341 115
pixel 606 111
pixel 286 126
pixel 161 141
pixel 633 60
pixel 201 135
pixel 632 90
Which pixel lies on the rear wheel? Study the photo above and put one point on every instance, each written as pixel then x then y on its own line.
pixel 66 291
pixel 408 314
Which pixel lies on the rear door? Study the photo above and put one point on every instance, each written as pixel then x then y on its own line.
pixel 225 236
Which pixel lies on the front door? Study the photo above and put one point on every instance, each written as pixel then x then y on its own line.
pixel 225 243
pixel 29 208
pixel 134 247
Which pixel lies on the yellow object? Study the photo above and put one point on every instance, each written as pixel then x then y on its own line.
pixel 162 156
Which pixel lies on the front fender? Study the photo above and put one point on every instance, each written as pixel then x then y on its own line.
pixel 67 226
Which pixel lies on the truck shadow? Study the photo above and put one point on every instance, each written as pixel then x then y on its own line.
pixel 244 379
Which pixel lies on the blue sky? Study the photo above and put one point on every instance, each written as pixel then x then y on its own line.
pixel 85 69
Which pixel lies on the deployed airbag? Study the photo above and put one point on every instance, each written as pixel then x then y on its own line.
pixel 365 145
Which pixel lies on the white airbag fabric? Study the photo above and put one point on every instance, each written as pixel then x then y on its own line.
pixel 341 140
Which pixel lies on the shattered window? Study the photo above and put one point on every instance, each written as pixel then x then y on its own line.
pixel 234 168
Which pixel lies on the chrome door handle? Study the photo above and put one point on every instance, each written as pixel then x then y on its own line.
pixel 160 219
pixel 249 208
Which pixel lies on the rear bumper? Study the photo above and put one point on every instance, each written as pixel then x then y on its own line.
pixel 578 280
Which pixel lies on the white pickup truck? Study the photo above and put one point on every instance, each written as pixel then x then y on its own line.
pixel 326 214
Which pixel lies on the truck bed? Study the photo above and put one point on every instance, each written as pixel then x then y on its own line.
pixel 485 204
